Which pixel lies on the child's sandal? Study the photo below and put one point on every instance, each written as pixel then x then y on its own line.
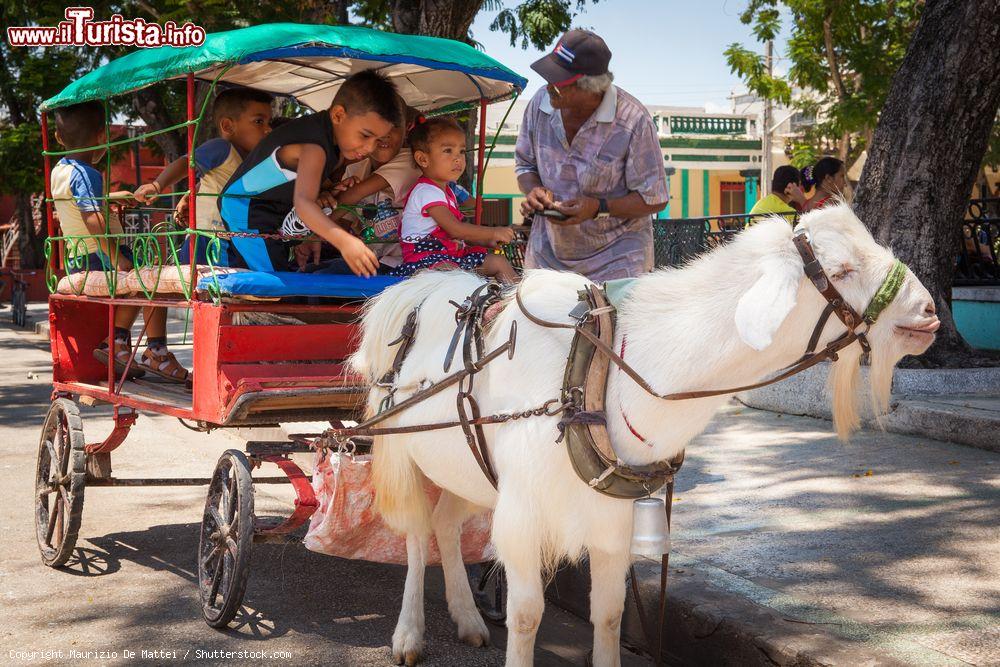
pixel 123 352
pixel 165 365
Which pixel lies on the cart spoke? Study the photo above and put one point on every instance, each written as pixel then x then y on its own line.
pixel 61 524
pixel 231 547
pixel 216 550
pixel 53 459
pixel 231 500
pixel 216 580
pixel 217 518
pixel 62 446
pixel 221 502
pixel 53 514
pixel 64 495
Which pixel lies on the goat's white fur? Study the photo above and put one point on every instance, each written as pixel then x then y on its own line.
pixel 698 327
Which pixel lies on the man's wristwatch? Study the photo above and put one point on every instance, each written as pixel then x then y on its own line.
pixel 602 209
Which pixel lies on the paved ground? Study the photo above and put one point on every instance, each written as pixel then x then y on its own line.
pixel 132 586
pixel 888 544
pixel 889 541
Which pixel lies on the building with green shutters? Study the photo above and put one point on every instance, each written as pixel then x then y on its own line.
pixel 712 160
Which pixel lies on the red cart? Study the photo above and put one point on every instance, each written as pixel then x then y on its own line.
pixel 244 374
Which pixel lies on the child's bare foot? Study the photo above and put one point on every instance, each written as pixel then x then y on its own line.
pixel 497 266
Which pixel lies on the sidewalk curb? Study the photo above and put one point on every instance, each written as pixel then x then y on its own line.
pixel 917 406
pixel 705 625
pixel 42 329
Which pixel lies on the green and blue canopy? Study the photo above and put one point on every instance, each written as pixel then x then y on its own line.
pixel 308 63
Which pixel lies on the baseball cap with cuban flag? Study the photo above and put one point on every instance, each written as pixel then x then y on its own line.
pixel 577 53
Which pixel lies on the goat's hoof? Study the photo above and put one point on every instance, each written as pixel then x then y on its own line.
pixel 408 647
pixel 473 631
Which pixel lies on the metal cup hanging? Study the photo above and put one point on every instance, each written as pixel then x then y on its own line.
pixel 650 532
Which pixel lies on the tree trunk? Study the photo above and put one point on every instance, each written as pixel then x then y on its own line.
pixel 450 19
pixel 927 148
pixel 150 106
pixel 29 244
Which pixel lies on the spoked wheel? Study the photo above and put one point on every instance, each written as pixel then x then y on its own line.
pixel 60 477
pixel 490 592
pixel 226 539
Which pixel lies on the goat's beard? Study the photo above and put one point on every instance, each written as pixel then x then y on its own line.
pixel 844 380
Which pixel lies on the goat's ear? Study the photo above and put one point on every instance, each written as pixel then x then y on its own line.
pixel 763 307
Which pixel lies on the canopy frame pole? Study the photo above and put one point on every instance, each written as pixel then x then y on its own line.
pixel 481 160
pixel 192 196
pixel 50 224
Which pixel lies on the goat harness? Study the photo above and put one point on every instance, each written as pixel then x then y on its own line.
pixel 581 404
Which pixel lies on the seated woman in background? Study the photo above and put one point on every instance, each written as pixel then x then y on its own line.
pixel 829 178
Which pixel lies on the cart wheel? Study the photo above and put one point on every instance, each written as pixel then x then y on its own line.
pixel 60 477
pixel 226 539
pixel 490 592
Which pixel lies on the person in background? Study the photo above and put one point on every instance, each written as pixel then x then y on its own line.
pixel 786 196
pixel 828 177
pixel 590 151
pixel 78 191
pixel 243 117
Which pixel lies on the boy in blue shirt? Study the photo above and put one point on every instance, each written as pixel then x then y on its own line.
pixel 288 166
pixel 78 191
pixel 243 117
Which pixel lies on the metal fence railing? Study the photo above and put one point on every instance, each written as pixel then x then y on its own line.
pixel 678 240
pixel 979 244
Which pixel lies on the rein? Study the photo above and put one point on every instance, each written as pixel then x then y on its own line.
pixel 590 310
pixel 836 304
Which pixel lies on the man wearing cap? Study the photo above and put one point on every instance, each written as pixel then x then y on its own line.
pixel 589 150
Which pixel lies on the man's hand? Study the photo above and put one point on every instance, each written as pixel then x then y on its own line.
pixel 501 236
pixel 537 199
pixel 307 252
pixel 147 193
pixel 122 264
pixel 359 257
pixel 576 210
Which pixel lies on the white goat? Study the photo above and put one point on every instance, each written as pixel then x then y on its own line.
pixel 729 318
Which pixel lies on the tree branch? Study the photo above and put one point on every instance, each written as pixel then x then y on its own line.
pixel 831 56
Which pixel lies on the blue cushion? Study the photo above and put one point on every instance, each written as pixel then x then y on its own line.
pixel 263 284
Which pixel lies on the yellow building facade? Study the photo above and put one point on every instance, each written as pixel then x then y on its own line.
pixel 712 163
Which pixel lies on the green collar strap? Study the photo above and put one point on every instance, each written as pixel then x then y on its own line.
pixel 886 292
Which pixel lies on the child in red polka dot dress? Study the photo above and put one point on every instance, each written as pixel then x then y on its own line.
pixel 432 233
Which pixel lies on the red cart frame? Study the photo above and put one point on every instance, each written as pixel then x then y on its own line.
pixel 244 375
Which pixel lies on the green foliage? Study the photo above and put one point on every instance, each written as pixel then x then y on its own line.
pixel 751 67
pixel 536 22
pixel 992 157
pixel 20 153
pixel 842 55
pixel 803 154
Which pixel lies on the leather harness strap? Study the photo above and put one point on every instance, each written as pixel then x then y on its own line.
pixel 829 352
pixel 582 402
